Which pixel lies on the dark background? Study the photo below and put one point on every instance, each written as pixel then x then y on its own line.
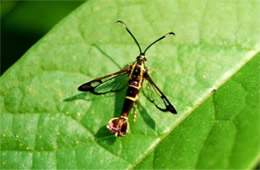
pixel 23 23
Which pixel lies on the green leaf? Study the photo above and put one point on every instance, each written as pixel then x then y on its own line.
pixel 46 123
pixel 222 133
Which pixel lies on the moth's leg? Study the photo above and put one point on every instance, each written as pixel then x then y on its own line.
pixel 152 70
pixel 135 111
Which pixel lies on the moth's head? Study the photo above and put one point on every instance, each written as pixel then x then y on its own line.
pixel 141 57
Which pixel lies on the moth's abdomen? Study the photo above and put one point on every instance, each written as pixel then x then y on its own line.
pixel 135 83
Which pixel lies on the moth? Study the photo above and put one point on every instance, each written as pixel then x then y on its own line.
pixel 133 77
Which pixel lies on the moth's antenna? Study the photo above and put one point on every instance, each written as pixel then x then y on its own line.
pixel 170 33
pixel 121 22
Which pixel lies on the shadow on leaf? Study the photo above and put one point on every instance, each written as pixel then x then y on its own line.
pixel 105 54
pixel 104 135
pixel 84 96
pixel 146 117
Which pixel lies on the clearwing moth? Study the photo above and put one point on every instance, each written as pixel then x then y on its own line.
pixel 136 75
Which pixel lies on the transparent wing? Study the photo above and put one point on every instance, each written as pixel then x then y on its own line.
pixel 155 95
pixel 110 83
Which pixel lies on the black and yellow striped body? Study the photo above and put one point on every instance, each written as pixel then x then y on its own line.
pixel 135 84
pixel 137 72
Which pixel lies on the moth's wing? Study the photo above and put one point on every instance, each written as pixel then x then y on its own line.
pixel 155 95
pixel 110 83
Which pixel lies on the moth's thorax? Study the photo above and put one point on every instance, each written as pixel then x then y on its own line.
pixel 137 71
